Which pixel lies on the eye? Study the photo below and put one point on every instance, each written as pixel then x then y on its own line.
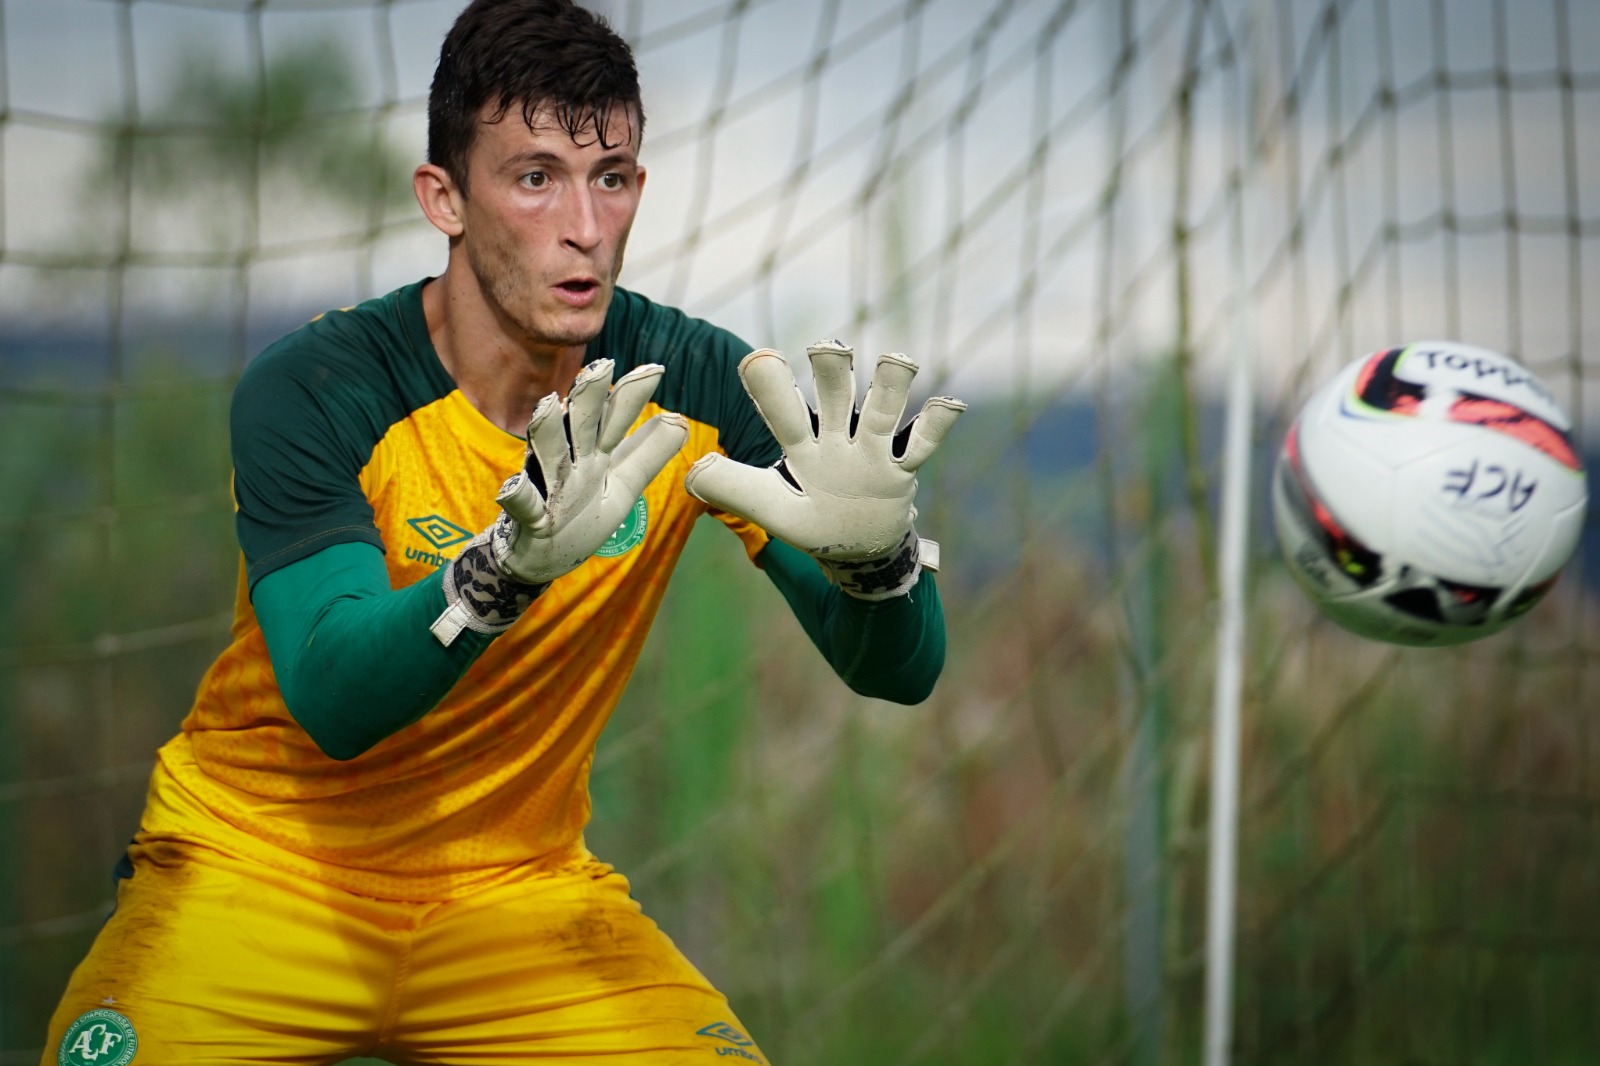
pixel 611 180
pixel 536 179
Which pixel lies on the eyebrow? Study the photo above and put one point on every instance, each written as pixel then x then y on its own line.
pixel 547 158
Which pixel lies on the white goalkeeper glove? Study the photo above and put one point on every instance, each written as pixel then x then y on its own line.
pixel 581 474
pixel 843 491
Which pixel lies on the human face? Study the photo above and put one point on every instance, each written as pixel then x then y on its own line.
pixel 545 221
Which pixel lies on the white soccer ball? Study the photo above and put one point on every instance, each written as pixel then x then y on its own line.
pixel 1429 495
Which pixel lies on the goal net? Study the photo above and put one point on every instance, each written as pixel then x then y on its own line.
pixel 1074 214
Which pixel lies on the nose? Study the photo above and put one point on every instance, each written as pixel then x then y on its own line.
pixel 581 229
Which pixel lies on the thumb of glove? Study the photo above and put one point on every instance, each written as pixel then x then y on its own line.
pixel 520 499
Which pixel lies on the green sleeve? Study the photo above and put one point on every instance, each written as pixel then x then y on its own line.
pixel 889 649
pixel 354 659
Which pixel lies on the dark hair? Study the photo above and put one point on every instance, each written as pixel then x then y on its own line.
pixel 538 55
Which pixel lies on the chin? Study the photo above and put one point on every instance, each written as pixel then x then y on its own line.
pixel 563 327
pixel 566 331
pixel 567 326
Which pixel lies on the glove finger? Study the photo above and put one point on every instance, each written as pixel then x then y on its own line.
pixel 886 398
pixel 628 397
pixel 585 402
pixel 520 499
pixel 547 440
pixel 640 457
pixel 756 494
pixel 833 374
pixel 770 383
pixel 928 429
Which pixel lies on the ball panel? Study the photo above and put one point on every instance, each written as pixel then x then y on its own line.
pixel 1481 508
pixel 1420 610
pixel 1475 510
pixel 1410 615
pixel 1349 457
pixel 1445 368
pixel 1333 558
pixel 1376 386
pixel 1520 425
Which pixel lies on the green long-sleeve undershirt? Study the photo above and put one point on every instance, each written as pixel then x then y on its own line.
pixel 355 661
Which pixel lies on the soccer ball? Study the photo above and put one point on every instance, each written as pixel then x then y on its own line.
pixel 1429 495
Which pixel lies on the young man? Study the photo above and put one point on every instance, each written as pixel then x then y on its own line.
pixel 367 839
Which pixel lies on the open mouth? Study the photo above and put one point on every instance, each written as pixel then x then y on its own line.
pixel 579 286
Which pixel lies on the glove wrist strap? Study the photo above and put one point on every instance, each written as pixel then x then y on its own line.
pixel 479 595
pixel 886 576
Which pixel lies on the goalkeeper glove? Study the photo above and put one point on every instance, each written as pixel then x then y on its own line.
pixel 843 491
pixel 581 474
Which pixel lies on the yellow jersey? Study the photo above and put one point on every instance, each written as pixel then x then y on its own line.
pixel 349 429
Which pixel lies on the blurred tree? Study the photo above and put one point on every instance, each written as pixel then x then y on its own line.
pixel 224 146
pixel 297 116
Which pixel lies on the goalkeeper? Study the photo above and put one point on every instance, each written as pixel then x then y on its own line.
pixel 458 507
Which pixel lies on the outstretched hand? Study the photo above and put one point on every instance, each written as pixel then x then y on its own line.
pixel 844 490
pixel 582 472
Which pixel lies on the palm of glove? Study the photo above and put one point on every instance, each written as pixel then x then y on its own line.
pixel 582 474
pixel 845 487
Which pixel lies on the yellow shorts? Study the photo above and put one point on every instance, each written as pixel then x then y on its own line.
pixel 208 959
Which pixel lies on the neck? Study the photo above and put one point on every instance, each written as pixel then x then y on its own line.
pixel 500 371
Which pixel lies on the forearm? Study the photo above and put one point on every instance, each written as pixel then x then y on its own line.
pixel 354 660
pixel 889 649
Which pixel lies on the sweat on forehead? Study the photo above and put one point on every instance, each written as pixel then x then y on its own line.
pixel 609 125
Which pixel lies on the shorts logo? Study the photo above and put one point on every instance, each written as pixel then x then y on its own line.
pixel 99 1038
pixel 738 1041
pixel 628 535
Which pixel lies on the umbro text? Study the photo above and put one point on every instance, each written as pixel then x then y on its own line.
pixel 431 558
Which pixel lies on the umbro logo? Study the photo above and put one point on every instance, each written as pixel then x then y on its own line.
pixel 739 1042
pixel 439 532
pixel 724 1031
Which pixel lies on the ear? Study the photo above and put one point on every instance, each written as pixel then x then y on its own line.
pixel 639 176
pixel 440 199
